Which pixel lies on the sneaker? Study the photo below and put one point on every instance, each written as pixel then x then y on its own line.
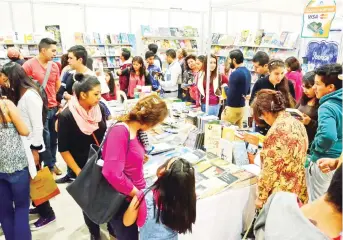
pixel 33 211
pixel 42 222
pixel 57 171
pixel 65 179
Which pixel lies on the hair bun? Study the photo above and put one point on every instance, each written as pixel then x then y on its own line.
pixel 79 77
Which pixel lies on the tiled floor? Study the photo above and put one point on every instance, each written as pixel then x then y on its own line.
pixel 69 223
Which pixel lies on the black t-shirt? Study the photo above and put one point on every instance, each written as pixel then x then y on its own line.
pixel 70 137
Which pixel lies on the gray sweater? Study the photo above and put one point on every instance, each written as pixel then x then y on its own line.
pixel 281 218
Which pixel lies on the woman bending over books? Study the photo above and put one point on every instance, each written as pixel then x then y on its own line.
pixel 123 166
pixel 168 207
pixel 284 149
pixel 137 74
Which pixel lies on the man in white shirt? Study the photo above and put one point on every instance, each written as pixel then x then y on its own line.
pixel 172 76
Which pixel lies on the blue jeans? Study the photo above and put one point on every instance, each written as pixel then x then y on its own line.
pixel 50 139
pixel 213 109
pixel 14 205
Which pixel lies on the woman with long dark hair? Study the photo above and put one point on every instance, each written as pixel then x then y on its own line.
pixel 275 81
pixel 111 95
pixel 188 77
pixel 81 123
pixel 25 94
pixel 309 105
pixel 137 75
pixel 216 82
pixel 14 173
pixel 168 207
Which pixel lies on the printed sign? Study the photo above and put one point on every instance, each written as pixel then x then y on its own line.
pixel 317 19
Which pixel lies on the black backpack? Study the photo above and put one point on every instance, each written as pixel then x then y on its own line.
pixel 44 97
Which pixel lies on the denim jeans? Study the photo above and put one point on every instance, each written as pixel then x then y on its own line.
pixel 14 205
pixel 213 109
pixel 50 139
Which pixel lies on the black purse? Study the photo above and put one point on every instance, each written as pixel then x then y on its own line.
pixel 92 192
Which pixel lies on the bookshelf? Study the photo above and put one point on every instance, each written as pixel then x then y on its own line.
pixel 169 38
pixel 105 49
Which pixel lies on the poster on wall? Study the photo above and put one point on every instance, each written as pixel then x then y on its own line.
pixel 56 32
pixel 317 18
pixel 319 51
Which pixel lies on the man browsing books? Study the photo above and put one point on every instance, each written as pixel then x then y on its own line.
pixel 154 70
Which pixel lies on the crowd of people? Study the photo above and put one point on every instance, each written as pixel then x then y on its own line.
pixel 63 106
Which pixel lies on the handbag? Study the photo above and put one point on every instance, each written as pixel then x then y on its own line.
pixel 91 190
pixel 43 187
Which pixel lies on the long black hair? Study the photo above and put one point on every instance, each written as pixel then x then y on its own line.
pixel 140 61
pixel 175 198
pixel 190 56
pixel 18 80
pixel 308 82
pixel 111 83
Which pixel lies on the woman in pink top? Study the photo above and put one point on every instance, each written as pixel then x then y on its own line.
pixel 124 155
pixel 295 76
pixel 137 75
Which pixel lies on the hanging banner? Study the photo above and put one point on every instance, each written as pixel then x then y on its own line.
pixel 317 19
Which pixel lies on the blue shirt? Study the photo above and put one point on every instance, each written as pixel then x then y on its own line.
pixel 152 230
pixel 239 87
pixel 154 83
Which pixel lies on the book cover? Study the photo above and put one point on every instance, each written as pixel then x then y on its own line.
pixel 107 39
pixel 195 32
pixel 291 41
pixel 115 39
pixel 209 187
pixel 132 41
pixel 97 38
pixel 283 38
pixel 164 32
pixel 88 38
pixel 18 37
pixel 78 38
pixel 267 39
pixel 244 37
pixel 124 38
pixel 188 31
pixel 174 32
pixel 33 50
pixel 275 40
pixel 202 166
pixel 165 44
pixel 240 154
pixel 111 62
pixel 173 44
pixel 225 150
pixel 228 178
pixel 177 44
pixel 145 30
pixel 194 44
pixel 213 171
pixel 243 175
pixel 258 37
pixel 229 133
pixel 212 137
pixel 55 31
pixel 182 44
pixel 199 177
pixel 9 39
pixel 215 38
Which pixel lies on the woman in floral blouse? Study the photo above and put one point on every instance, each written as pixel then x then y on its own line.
pixel 284 150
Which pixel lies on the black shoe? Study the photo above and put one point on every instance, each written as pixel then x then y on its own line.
pixel 65 179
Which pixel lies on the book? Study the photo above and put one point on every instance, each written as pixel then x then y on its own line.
pixel 164 32
pixel 115 39
pixel 188 44
pixel 195 32
pixel 229 133
pixel 202 166
pixel 258 37
pixel 215 38
pixel 228 178
pixel 88 38
pixel 107 39
pixel 212 137
pixel 188 31
pixel 244 37
pixel 225 150
pixel 55 31
pixel 209 187
pixel 267 39
pixel 132 40
pixel 33 50
pixel 213 171
pixel 123 38
pixel 96 37
pixel 174 32
pixel 240 154
pixel 78 38
pixel 295 113
pixel 283 38
pixel 145 30
pixel 291 40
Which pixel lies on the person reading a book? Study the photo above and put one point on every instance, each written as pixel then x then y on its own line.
pixel 80 124
pixel 137 75
pixel 284 217
pixel 172 76
pixel 308 106
pixel 188 77
pixel 125 63
pixel 275 81
pixel 240 81
pixel 123 166
pixel 168 207
pixel 284 149
pixel 153 70
pixel 294 75
pixel 216 82
pixel 327 142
